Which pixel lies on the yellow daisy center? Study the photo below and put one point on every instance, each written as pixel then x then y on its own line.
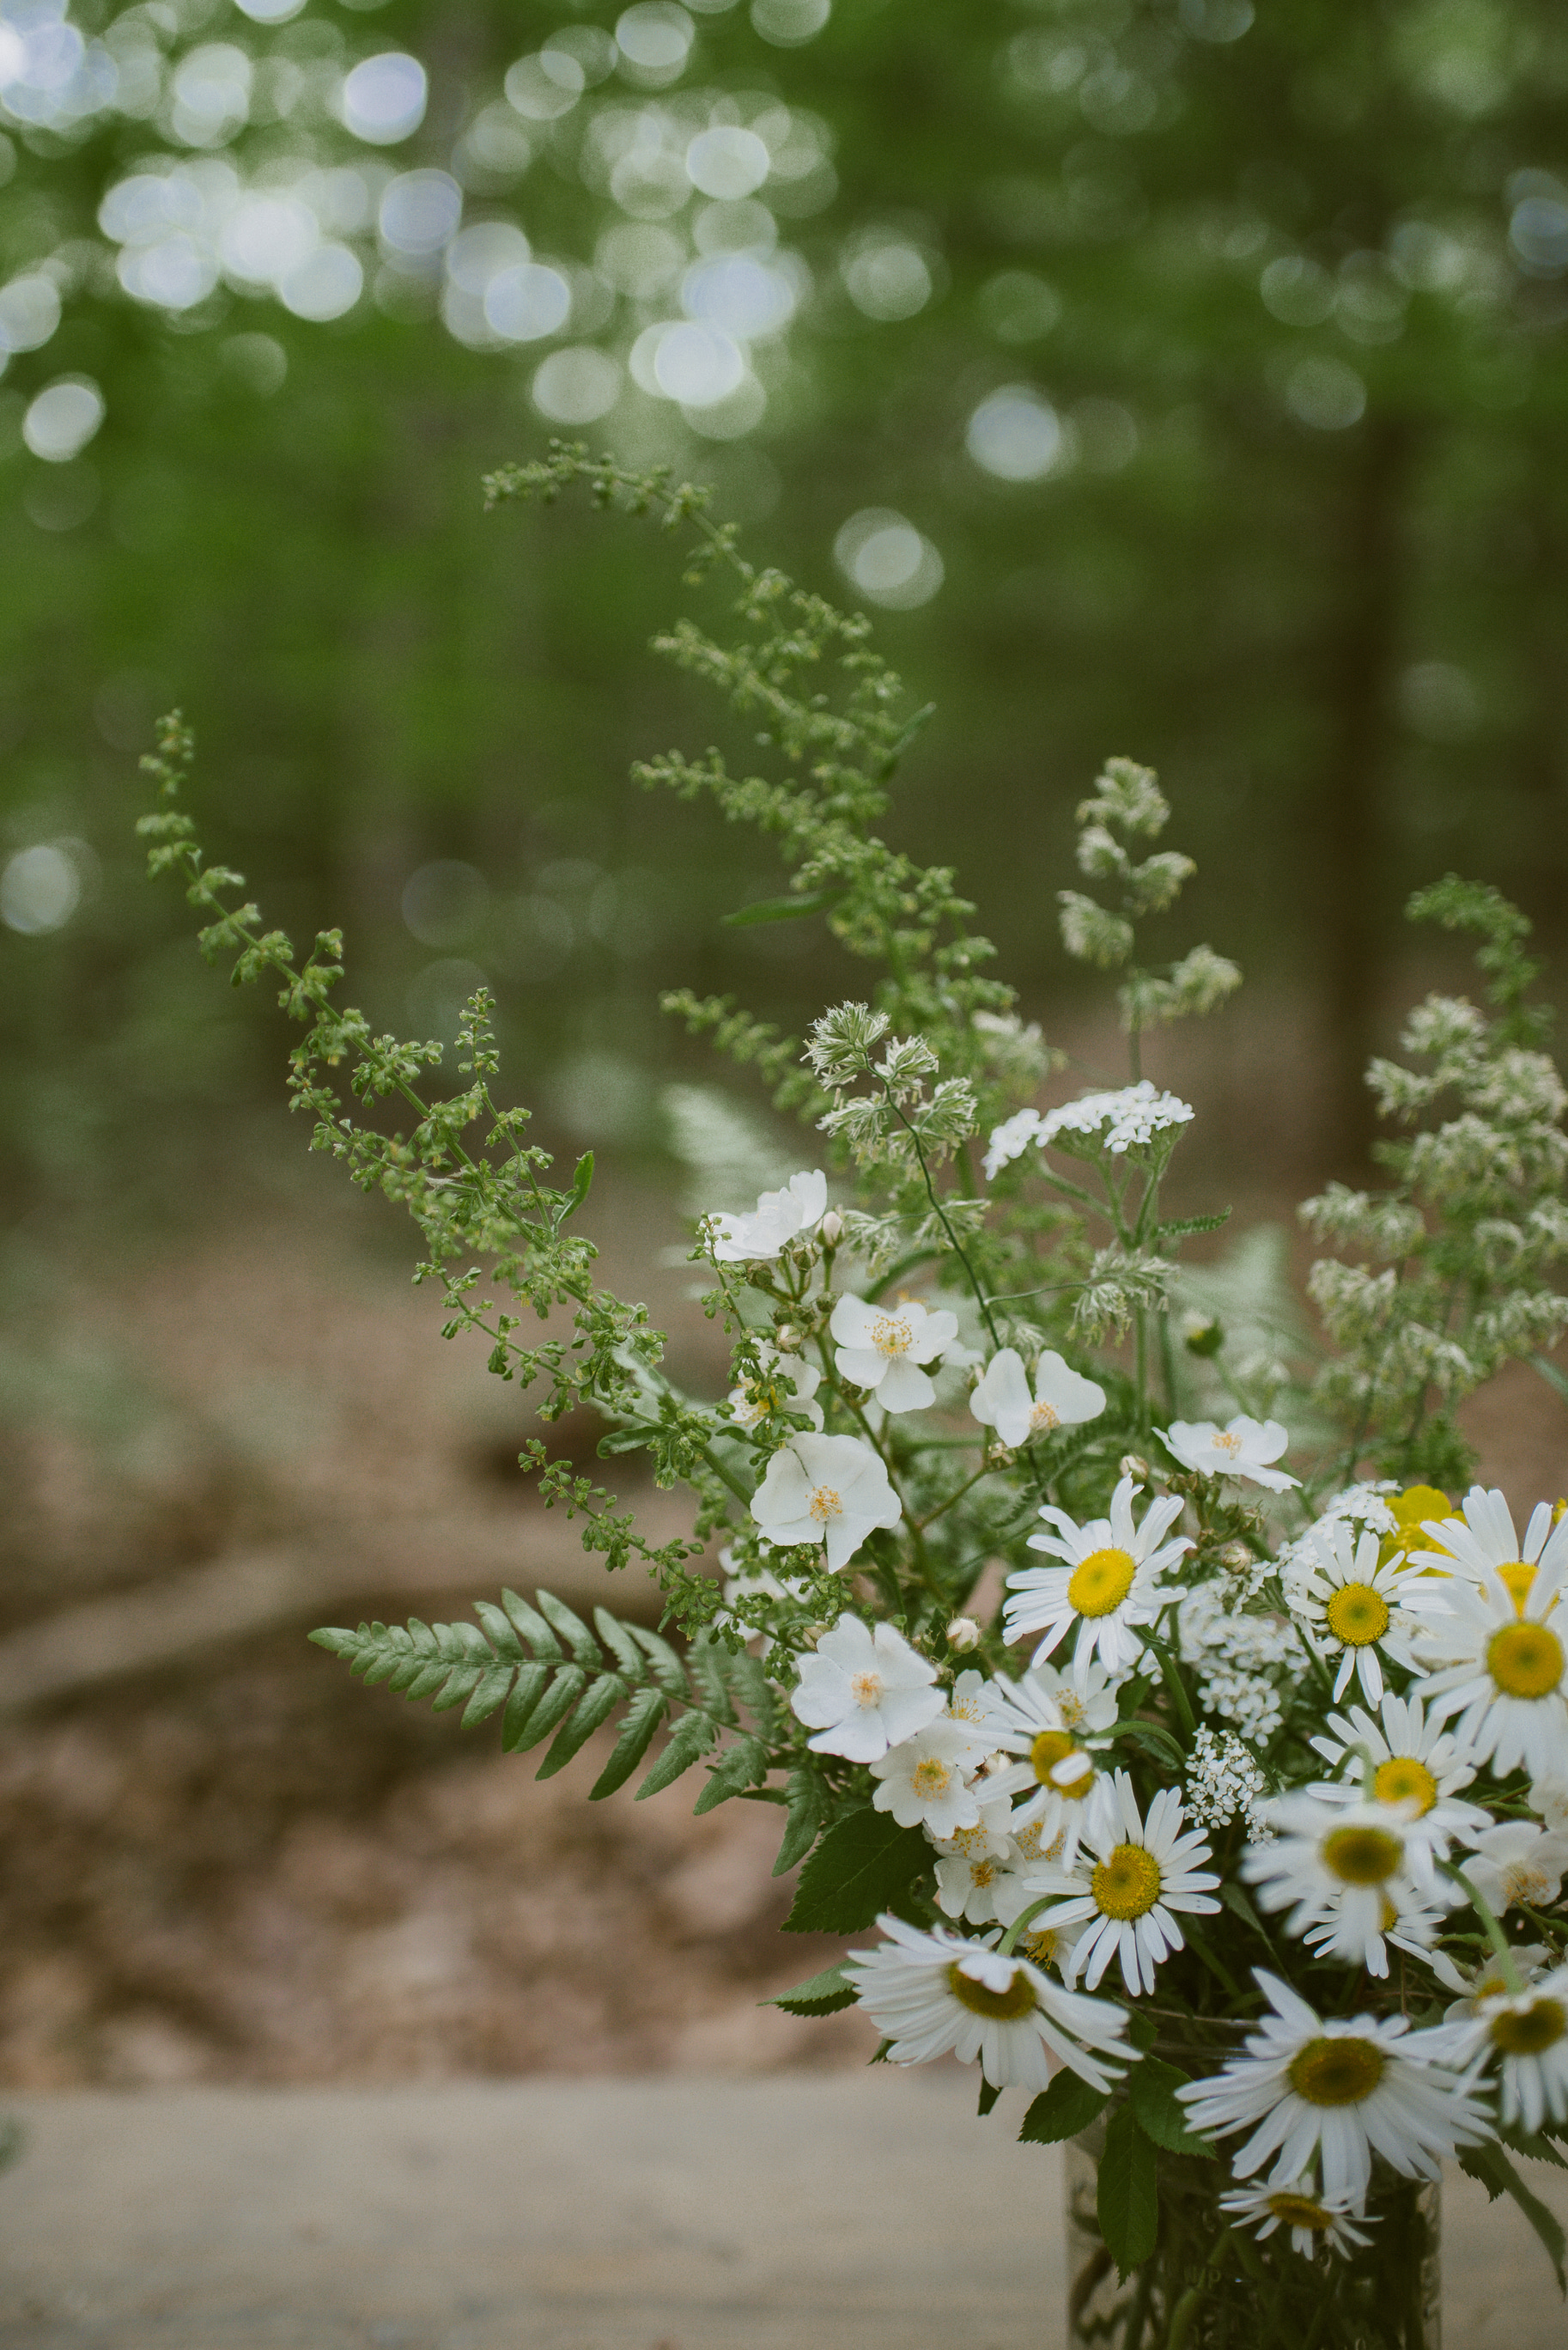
pixel 1101 1582
pixel 1053 1746
pixel 1009 2006
pixel 891 1335
pixel 1361 1856
pixel 1525 1660
pixel 1300 2211
pixel 1127 1884
pixel 1403 1780
pixel 1526 2031
pixel 825 1503
pixel 1357 1615
pixel 930 1778
pixel 1339 2072
pixel 1044 1415
pixel 1516 1577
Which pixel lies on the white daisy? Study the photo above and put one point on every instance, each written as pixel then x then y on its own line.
pixel 973 1861
pixel 924 1783
pixel 1481 1543
pixel 1517 1861
pixel 1124 1889
pixel 1352 1871
pixel 1056 1770
pixel 1244 1448
pixel 864 1691
pixel 1005 1400
pixel 787 1383
pixel 1505 1669
pixel 1108 1586
pixel 1313 2218
pixel 1340 2090
pixel 1413 1761
pixel 779 1217
pixel 825 1489
pixel 971 1704
pixel 882 1347
pixel 1488 1980
pixel 1525 2034
pixel 1354 1605
pixel 933 1992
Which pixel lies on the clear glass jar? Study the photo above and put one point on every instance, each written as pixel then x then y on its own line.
pixel 1207 2287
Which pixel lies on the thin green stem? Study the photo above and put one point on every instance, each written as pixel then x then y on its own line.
pixel 1507 1965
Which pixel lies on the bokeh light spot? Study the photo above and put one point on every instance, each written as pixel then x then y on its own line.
pixel 576 385
pixel 883 556
pixel 444 901
pixel 786 23
pixel 887 279
pixel 62 418
pixel 1015 434
pixel 383 98
pixel 1325 394
pixel 527 302
pixel 727 162
pixel 40 890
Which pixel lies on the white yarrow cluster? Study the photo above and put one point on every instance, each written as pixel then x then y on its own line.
pixel 1225 1783
pixel 1131 1117
pixel 1246 1664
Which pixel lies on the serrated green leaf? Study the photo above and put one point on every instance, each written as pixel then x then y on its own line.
pixel 668 1670
pixel 1185 1226
pixel 1063 2111
pixel 1491 2166
pixel 598 1702
pixel 628 1657
pixel 532 1680
pixel 646 1712
pixel 1128 2197
pixel 460 1681
pixel 807 1809
pixel 708 1662
pixel 691 1737
pixel 743 1765
pixel 1152 2086
pixel 565 1688
pixel 432 1676
pixel 492 1689
pixel 862 1864
pixel 499 1631
pixel 988 2097
pixel 338 1639
pixel 532 1626
pixel 820 1994
pixel 572 1629
pixel 755 1691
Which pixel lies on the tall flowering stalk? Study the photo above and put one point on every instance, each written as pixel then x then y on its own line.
pixel 1215 1798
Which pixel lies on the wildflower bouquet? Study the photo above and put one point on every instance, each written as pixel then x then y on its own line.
pixel 1220 1806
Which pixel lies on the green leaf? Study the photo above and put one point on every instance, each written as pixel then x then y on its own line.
pixel 492 1689
pixel 1155 1741
pixel 807 1809
pixel 988 2097
pixel 461 1680
pixel 1185 1226
pixel 743 1765
pixel 532 1626
pixel 862 1864
pixel 1128 2202
pixel 818 1995
pixel 564 1690
pixel 668 1669
pixel 692 1736
pixel 599 1700
pixel 1151 2093
pixel 525 1696
pixel 499 1631
pixel 1489 2164
pixel 784 909
pixel 579 1190
pixel 708 1663
pixel 643 1716
pixel 1534 2149
pixel 1064 2110
pixel 621 1646
pixel 572 1629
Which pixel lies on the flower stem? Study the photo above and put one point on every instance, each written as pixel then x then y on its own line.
pixel 1494 1932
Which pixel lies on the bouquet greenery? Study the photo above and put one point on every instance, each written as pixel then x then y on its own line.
pixel 1221 1806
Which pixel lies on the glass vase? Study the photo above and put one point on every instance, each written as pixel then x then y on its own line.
pixel 1210 2287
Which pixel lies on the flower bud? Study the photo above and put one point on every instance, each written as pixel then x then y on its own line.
pixel 832 1228
pixel 963 1633
pixel 786 1337
pixel 1202 1333
pixel 1134 1465
pixel 1236 1557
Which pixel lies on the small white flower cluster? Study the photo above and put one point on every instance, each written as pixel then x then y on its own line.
pixel 1245 1664
pixel 1224 1783
pixel 1132 1117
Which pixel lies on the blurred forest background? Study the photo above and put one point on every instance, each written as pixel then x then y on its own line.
pixel 1175 378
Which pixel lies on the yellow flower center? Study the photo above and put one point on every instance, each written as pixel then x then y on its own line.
pixel 965 1838
pixel 866 1688
pixel 1516 1577
pixel 1525 2031
pixel 1525 1660
pixel 825 1503
pixel 1053 1746
pixel 1009 2006
pixel 1403 1780
pixel 1357 1615
pixel 1041 1945
pixel 1101 1582
pixel 1361 1856
pixel 1227 1443
pixel 930 1778
pixel 1341 2072
pixel 981 1871
pixel 1127 1884
pixel 891 1335
pixel 1300 2211
pixel 1044 1417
